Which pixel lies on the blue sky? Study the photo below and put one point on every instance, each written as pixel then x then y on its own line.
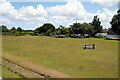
pixel 30 15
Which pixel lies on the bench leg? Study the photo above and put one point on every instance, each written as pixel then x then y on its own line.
pixel 93 46
pixel 85 47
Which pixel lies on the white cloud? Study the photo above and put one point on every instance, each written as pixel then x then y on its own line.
pixel 69 12
pixel 30 13
pixel 105 16
pixel 39 25
pixel 25 13
pixel 2 1
pixel 106 3
pixel 75 12
pixel 71 0
pixel 30 22
pixel 72 11
pixel 6 21
pixel 7 10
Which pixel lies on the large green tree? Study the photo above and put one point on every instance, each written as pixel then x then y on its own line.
pixel 115 23
pixel 19 29
pixel 97 26
pixel 84 28
pixel 4 28
pixel 46 29
pixel 63 30
pixel 76 28
pixel 13 28
pixel 89 29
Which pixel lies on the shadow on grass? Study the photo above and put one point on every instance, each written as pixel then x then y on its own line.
pixel 112 39
pixel 88 48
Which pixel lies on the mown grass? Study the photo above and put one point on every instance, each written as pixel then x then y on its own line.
pixel 65 55
pixel 8 74
pixel 22 72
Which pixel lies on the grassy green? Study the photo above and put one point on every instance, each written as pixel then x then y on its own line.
pixel 65 55
pixel 8 74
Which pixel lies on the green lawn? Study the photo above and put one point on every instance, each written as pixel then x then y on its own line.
pixel 8 74
pixel 65 55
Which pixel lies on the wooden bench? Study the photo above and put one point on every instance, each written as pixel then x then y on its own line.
pixel 93 46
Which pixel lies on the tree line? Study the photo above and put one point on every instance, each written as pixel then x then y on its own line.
pixel 74 30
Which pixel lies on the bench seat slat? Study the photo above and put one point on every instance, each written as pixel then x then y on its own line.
pixel 93 46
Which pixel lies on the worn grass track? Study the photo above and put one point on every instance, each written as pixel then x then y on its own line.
pixel 21 71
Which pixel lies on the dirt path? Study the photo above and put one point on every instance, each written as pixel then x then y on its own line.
pixel 21 71
pixel 51 73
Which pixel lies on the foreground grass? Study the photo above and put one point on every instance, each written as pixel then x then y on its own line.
pixel 18 70
pixel 64 55
pixel 8 74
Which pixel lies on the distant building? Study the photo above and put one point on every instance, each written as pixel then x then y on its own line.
pixel 105 30
pixel 103 34
pixel 110 32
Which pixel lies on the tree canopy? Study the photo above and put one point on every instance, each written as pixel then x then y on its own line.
pixel 97 28
pixel 49 29
pixel 76 28
pixel 115 23
pixel 19 29
pixel 46 29
pixel 4 28
pixel 13 28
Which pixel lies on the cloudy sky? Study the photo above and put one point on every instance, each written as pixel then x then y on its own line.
pixel 32 14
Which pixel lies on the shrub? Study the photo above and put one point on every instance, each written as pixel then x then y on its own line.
pixel 73 36
pixel 87 36
pixel 76 36
pixel 32 34
pixel 19 34
pixel 35 34
pixel 59 36
pixel 6 33
pixel 98 36
pixel 67 35
pixel 42 34
pixel 106 38
pixel 51 34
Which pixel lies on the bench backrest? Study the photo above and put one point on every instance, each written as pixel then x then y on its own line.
pixel 93 46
